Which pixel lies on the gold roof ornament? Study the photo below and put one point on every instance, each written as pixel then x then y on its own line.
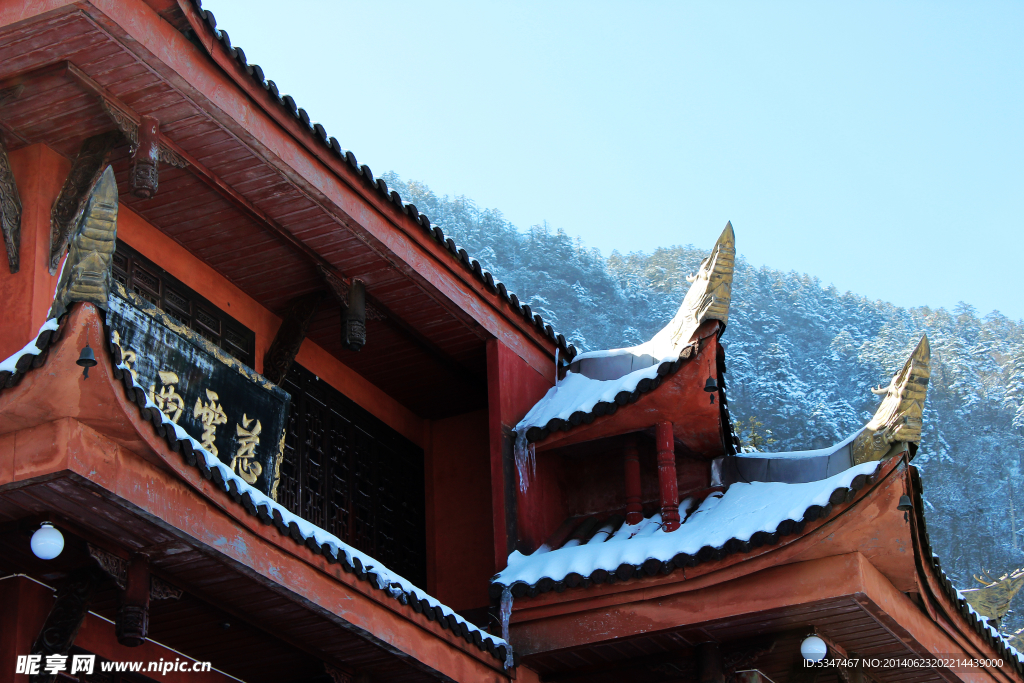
pixel 1017 639
pixel 87 271
pixel 898 418
pixel 993 601
pixel 709 294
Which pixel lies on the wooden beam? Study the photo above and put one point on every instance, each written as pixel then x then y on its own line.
pixel 290 335
pixel 711 670
pixel 683 659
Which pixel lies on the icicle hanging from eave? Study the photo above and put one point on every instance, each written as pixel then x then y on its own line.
pixel 505 613
pixel 526 460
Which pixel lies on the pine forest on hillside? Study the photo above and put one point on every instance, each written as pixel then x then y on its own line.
pixel 801 360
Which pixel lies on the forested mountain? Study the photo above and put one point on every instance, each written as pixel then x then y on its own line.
pixel 801 359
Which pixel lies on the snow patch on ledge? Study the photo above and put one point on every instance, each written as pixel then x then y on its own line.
pixel 397 586
pixel 577 392
pixel 739 513
pixel 10 364
pixel 799 455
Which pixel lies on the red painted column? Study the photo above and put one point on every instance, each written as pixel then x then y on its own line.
pixel 667 476
pixel 24 606
pixel 634 513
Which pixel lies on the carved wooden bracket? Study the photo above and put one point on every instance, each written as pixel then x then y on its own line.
pixel 10 210
pixel 113 566
pixel 128 123
pixel 340 286
pixel 85 172
pixel 132 624
pixel 289 337
pixel 161 590
pixel 353 333
pixel 65 618
pixel 117 568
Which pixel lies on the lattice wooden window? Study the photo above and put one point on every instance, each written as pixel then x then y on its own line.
pixel 349 473
pixel 140 275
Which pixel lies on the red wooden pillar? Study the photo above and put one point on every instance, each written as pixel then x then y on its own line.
pixel 24 605
pixel 667 476
pixel 634 512
pixel 711 669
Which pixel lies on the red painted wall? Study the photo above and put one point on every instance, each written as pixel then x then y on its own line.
pixel 459 531
pixel 25 297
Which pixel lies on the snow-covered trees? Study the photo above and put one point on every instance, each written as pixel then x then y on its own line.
pixel 801 358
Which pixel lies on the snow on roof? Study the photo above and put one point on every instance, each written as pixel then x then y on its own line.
pixel 578 392
pixel 10 364
pixel 794 467
pixel 800 455
pixel 741 512
pixel 599 376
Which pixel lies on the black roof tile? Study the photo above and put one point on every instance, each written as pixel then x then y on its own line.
pixel 320 134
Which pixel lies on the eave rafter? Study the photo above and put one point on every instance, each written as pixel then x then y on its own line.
pixel 92 159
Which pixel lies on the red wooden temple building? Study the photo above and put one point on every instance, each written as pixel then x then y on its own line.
pixel 266 419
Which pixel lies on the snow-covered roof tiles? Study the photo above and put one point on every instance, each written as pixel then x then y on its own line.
pixel 745 516
pixel 597 380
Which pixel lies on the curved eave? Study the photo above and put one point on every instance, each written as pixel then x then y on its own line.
pixel 787 535
pixel 283 108
pixel 676 395
pixel 121 414
pixel 942 595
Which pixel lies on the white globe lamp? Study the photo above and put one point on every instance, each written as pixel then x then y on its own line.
pixel 47 542
pixel 813 649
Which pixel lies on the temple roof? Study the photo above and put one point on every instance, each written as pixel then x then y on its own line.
pixel 219 37
pixel 597 382
pixel 34 355
pixel 745 517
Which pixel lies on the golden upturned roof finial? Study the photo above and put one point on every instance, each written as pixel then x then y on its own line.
pixel 898 418
pixel 993 600
pixel 709 294
pixel 87 271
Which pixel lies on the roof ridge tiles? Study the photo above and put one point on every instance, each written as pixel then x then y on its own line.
pixel 255 72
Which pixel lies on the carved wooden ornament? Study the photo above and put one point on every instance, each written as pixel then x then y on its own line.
pixel 65 618
pixel 898 418
pixel 70 203
pixel 87 271
pixel 129 127
pixel 145 173
pixel 290 335
pixel 10 210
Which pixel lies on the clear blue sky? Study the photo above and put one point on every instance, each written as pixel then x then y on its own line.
pixel 878 146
